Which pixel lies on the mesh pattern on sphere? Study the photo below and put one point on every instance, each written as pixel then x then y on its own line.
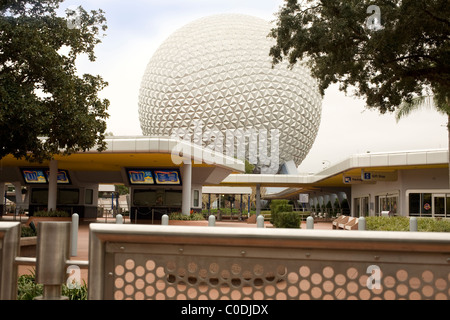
pixel 217 71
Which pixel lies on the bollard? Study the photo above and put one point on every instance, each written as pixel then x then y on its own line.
pixel 260 221
pixel 52 252
pixel 413 224
pixel 165 220
pixel 361 223
pixel 310 223
pixel 211 221
pixel 74 241
pixel 119 219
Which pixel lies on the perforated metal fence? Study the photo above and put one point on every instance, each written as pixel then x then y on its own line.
pixel 168 262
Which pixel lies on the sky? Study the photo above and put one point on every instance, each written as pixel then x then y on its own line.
pixel 136 28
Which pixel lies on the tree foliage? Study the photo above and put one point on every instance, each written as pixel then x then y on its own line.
pixel 408 57
pixel 46 108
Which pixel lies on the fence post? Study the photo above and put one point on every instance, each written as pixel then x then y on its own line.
pixel 211 221
pixel 310 223
pixel 74 242
pixel 52 252
pixel 9 250
pixel 165 220
pixel 260 221
pixel 413 224
pixel 119 219
pixel 361 223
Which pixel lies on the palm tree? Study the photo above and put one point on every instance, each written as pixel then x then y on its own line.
pixel 439 103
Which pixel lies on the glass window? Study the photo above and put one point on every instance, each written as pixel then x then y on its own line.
pixel 426 205
pixel 68 196
pixel 196 197
pixel 89 196
pixel 144 197
pixel 414 204
pixel 39 196
pixel 173 198
pixel 439 206
pixel 448 206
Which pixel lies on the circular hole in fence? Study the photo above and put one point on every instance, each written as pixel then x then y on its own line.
pixel 225 274
pixel 149 291
pixel 160 273
pixel 328 272
pixel 270 290
pixel 258 295
pixel 214 294
pixel 150 278
pixel 258 269
pixel 328 286
pixel 129 289
pixel 414 283
pixel 281 270
pixel 328 297
pixel 129 264
pixel 401 275
pixel 140 271
pixel 214 267
pixel 428 291
pixel 292 277
pixel 364 294
pixel 129 277
pixel 281 296
pixel 203 273
pixel 415 296
pixel 192 293
pixel 440 284
pixel 270 277
pixel 171 266
pixel 304 285
pixel 181 296
pixel 258 282
pixel 182 286
pixel 340 279
pixel 427 276
pixel 139 296
pixel 119 270
pixel 304 271
pixel 236 295
pixel 140 284
pixel 160 285
pixel 192 267
pixel 316 292
pixel 292 291
pixel 389 282
pixel 352 287
pixel 340 293
pixel 402 290
pixel 225 288
pixel 352 273
pixel 202 287
pixel 236 282
pixel 247 290
pixel 150 265
pixel 119 283
pixel 160 296
pixel 118 295
pixel 389 295
pixel 304 296
pixel 441 296
pixel 316 278
pixel 236 269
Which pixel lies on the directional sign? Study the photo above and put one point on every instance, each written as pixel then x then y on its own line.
pixel 352 179
pixel 378 176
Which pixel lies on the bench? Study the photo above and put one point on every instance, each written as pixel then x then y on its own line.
pixel 352 224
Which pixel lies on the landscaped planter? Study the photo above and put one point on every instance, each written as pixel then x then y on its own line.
pixel 28 246
pixel 36 220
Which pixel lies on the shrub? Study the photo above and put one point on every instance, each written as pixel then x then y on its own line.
pixel 51 213
pixel 277 206
pixel 27 232
pixel 28 289
pixel 287 220
pixel 180 216
pixel 402 224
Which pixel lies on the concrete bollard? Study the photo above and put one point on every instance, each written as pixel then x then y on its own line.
pixel 413 224
pixel 211 221
pixel 361 223
pixel 165 220
pixel 310 223
pixel 260 221
pixel 74 240
pixel 119 219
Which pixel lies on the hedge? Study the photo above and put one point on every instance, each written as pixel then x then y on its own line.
pixel 402 224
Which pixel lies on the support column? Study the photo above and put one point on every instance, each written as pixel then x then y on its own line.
pixel 258 199
pixel 52 185
pixel 3 197
pixel 187 188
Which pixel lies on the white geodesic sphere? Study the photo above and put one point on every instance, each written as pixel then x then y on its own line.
pixel 217 71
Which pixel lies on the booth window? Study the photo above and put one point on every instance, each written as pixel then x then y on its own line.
pixel 89 196
pixel 196 198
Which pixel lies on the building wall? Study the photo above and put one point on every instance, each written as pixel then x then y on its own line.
pixel 407 179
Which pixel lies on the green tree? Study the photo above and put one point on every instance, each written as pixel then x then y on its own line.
pixel 45 107
pixel 403 60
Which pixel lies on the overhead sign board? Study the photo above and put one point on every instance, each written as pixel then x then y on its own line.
pixel 41 176
pixel 304 197
pixel 167 177
pixel 379 175
pixel 141 177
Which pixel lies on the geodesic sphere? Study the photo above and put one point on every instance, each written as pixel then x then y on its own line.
pixel 217 71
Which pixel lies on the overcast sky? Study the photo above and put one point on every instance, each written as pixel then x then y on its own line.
pixel 136 28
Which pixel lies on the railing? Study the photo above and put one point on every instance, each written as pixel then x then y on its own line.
pixel 183 262
pixel 177 262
